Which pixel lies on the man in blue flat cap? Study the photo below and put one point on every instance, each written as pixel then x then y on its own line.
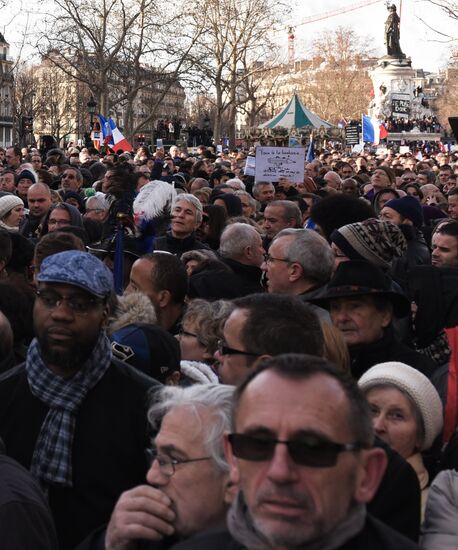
pixel 71 413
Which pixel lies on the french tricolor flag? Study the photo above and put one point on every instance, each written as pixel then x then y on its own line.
pixel 373 130
pixel 112 135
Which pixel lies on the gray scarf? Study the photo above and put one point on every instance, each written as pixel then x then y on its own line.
pixel 240 525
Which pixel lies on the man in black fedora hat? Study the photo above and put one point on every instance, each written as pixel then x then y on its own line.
pixel 362 306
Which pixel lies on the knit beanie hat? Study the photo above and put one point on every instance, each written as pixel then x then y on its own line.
pixel 416 386
pixel 409 208
pixel 373 240
pixel 26 175
pixel 7 203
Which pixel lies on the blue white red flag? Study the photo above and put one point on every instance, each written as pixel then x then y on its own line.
pixel 373 130
pixel 106 130
pixel 112 136
pixel 119 141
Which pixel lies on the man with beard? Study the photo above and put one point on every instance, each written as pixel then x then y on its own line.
pixel 71 413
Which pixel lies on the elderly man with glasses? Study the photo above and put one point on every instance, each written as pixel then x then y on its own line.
pixel 71 413
pixel 187 487
pixel 302 456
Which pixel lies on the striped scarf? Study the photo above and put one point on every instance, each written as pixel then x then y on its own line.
pixel 52 456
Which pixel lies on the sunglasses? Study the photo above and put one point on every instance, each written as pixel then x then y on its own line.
pixel 309 450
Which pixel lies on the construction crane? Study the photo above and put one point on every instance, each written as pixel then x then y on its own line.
pixel 325 15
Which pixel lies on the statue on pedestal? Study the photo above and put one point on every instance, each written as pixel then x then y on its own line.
pixel 392 33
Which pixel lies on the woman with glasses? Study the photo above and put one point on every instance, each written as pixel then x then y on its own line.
pixel 202 328
pixel 61 215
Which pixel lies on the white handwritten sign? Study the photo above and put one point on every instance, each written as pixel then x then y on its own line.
pixel 273 163
pixel 250 166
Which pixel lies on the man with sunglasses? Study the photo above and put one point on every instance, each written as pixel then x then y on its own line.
pixel 266 325
pixel 302 457
pixel 71 413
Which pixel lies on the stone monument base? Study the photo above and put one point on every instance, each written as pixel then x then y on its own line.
pixel 394 90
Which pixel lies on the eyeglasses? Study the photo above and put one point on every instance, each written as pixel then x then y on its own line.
pixel 78 304
pixel 94 210
pixel 191 335
pixel 268 259
pixel 309 450
pixel 168 464
pixel 224 350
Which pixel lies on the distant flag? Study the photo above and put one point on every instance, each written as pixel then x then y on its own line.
pixel 373 130
pixel 112 136
pixel 106 130
pixel 119 141
pixel 311 151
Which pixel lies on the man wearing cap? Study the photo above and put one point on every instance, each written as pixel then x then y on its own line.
pixel 362 306
pixel 407 214
pixel 71 413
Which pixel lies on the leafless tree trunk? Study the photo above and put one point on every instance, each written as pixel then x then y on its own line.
pixel 236 30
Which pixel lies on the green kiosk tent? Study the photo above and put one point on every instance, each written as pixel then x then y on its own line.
pixel 297 116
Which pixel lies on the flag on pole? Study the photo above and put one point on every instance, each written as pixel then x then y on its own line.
pixel 119 141
pixel 112 136
pixel 373 130
pixel 106 130
pixel 311 151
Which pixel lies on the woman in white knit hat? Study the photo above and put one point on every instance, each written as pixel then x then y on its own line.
pixel 11 212
pixel 407 413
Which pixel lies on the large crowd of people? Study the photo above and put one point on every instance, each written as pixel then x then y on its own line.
pixel 193 359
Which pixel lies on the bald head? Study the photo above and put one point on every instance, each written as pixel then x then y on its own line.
pixel 39 199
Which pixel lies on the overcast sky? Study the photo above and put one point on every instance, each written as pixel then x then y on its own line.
pixel 417 41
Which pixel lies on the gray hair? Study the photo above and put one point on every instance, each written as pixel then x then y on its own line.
pixel 253 202
pixel 235 238
pixel 311 251
pixel 236 183
pixel 215 397
pixel 290 211
pixel 259 184
pixel 99 200
pixel 194 201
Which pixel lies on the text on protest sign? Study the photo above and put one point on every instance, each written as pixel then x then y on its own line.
pixel 273 163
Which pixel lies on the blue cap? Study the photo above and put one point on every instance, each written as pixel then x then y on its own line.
pixel 80 269
pixel 148 348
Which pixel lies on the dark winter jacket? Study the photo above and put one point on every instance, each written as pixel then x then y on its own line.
pixel 171 244
pixel 374 536
pixel 365 356
pixel 237 281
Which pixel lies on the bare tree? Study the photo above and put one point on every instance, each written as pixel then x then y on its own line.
pixel 339 84
pixel 238 34
pixel 450 8
pixel 117 48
